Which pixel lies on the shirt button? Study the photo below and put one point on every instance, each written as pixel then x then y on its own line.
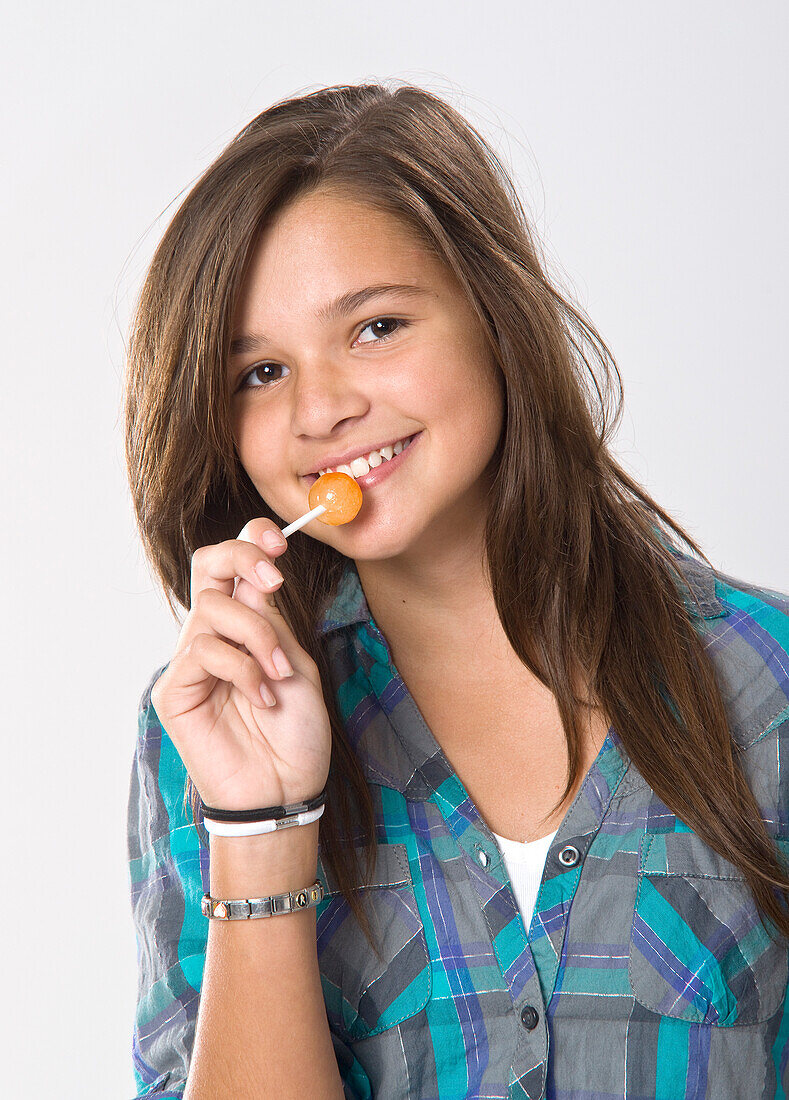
pixel 569 855
pixel 482 857
pixel 530 1017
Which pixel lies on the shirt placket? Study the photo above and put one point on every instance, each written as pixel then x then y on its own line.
pixel 529 965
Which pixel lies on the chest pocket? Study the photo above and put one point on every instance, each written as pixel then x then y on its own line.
pixel 698 951
pixel 365 994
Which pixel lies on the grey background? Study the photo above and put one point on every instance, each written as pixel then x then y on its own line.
pixel 649 145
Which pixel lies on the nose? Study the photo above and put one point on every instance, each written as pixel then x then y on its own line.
pixel 324 397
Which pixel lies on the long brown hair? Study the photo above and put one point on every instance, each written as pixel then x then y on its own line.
pixel 601 593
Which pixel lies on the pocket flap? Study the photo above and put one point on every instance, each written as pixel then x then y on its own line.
pixel 391 869
pixel 366 990
pixel 698 950
pixel 683 854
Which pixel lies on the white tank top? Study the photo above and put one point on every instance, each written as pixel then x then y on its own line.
pixel 525 862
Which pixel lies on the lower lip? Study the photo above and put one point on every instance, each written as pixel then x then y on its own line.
pixel 378 473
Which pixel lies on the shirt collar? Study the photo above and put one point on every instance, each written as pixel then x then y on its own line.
pixel 391 740
pixel 349 604
pixel 697 588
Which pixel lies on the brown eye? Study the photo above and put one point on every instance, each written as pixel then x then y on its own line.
pixel 263 373
pixel 381 336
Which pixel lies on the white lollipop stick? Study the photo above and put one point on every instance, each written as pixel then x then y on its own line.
pixel 295 526
pixel 299 523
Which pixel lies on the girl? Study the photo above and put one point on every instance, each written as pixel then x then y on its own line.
pixel 506 757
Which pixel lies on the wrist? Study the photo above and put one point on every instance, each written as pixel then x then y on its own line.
pixel 257 826
pixel 263 864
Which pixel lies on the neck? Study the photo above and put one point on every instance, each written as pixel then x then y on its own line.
pixel 435 608
pixel 435 597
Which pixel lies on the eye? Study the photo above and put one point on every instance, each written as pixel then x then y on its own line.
pixel 267 371
pixel 263 370
pixel 396 321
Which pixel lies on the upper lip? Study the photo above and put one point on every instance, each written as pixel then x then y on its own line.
pixel 348 456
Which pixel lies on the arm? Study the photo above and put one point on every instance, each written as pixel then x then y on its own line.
pixel 261 1027
pixel 185 962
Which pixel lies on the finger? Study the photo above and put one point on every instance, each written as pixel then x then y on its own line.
pixel 234 623
pixel 264 533
pixel 264 604
pixel 256 532
pixel 208 656
pixel 217 566
pixel 261 532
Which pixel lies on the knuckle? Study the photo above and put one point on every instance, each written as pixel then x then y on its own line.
pixel 197 646
pixel 250 532
pixel 205 597
pixel 187 628
pixel 244 556
pixel 243 534
pixel 264 631
pixel 261 524
pixel 250 669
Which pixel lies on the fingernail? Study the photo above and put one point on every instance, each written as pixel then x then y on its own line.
pixel 272 541
pixel 281 663
pixel 268 573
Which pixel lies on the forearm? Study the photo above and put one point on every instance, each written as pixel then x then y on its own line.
pixel 261 1026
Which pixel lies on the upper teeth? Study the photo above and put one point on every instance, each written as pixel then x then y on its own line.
pixel 362 465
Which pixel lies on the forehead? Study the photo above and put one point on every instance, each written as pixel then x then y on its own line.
pixel 325 241
pixel 330 212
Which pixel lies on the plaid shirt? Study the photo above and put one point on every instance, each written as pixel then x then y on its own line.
pixel 644 972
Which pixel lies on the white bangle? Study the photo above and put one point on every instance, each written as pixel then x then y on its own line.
pixel 254 828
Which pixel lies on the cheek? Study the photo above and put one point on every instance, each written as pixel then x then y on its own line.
pixel 243 434
pixel 257 446
pixel 443 376
pixel 257 463
pixel 476 391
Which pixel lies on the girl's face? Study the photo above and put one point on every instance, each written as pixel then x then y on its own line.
pixel 329 366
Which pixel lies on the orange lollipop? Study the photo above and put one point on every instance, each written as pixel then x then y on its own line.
pixel 340 496
pixel 334 498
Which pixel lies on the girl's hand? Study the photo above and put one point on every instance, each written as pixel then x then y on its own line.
pixel 240 753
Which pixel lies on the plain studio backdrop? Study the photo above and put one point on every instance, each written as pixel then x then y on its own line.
pixel 649 145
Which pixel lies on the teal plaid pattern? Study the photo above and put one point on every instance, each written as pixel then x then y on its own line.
pixel 644 973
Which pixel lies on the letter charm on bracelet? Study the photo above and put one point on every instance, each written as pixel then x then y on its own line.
pixel 272 906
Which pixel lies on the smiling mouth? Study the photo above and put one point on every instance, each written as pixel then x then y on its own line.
pixel 310 479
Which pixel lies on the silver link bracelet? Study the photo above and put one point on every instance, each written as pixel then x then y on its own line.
pixel 272 906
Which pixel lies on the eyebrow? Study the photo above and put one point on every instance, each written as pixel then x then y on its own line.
pixel 246 343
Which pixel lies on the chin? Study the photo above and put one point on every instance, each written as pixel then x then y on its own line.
pixel 371 542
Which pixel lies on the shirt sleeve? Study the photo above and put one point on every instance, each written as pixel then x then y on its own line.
pixel 168 871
